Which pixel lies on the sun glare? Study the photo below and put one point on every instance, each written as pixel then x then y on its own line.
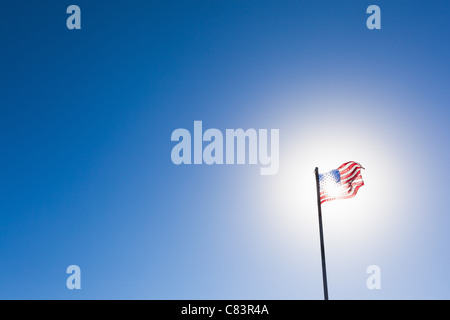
pixel 292 197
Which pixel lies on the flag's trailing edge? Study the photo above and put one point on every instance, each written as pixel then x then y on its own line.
pixel 341 183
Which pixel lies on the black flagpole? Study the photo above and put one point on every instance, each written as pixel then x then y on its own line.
pixel 322 247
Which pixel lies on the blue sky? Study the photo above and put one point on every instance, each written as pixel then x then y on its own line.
pixel 86 176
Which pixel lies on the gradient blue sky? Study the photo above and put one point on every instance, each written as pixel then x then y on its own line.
pixel 86 176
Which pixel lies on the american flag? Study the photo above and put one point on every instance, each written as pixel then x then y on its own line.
pixel 341 183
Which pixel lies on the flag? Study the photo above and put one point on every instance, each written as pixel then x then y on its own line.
pixel 341 183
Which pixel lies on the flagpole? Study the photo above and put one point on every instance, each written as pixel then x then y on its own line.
pixel 322 246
